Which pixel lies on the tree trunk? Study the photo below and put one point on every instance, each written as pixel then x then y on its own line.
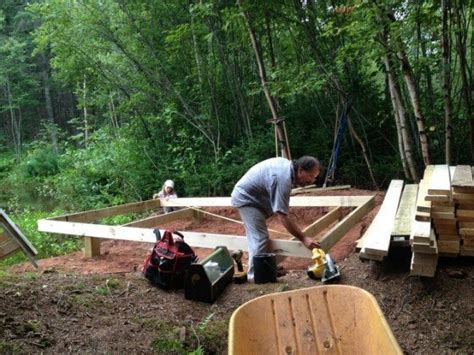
pixel 399 110
pixel 278 123
pixel 86 117
pixel 364 151
pixel 49 106
pixel 466 87
pixel 425 66
pixel 14 124
pixel 415 101
pixel 446 77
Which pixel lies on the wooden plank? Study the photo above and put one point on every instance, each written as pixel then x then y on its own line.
pixel 438 198
pixel 463 176
pixel 323 222
pixel 421 204
pixel 91 247
pixel 449 246
pixel 154 221
pixel 368 256
pixel 464 213
pixel 420 231
pixel 8 247
pixel 466 251
pixel 300 190
pixel 406 211
pixel 443 215
pixel 466 225
pixel 332 236
pixel 463 197
pixel 440 182
pixel 466 231
pixel 10 228
pixel 195 239
pixel 446 209
pixel 378 233
pixel 423 264
pixel 446 229
pixel 423 216
pixel 94 215
pixel 449 237
pixel 295 201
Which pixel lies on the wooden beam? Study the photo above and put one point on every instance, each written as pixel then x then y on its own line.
pixel 10 229
pixel 91 247
pixel 295 201
pixel 379 232
pixel 406 211
pixel 94 215
pixel 440 182
pixel 7 247
pixel 421 204
pixel 462 179
pixel 195 239
pixel 323 222
pixel 332 236
pixel 318 189
pixel 155 221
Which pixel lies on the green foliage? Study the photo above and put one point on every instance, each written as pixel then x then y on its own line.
pixel 47 245
pixel 9 347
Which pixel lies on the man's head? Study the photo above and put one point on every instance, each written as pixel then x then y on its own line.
pixel 307 169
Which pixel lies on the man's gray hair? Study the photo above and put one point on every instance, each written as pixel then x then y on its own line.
pixel 306 163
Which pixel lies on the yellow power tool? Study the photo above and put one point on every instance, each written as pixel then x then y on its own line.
pixel 324 267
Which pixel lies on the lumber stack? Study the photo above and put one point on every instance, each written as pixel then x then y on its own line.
pixel 463 195
pixel 442 213
pixel 435 218
pixel 424 249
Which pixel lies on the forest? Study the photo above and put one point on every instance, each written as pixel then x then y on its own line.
pixel 102 101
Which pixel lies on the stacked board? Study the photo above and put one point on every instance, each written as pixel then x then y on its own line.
pixel 434 218
pixel 424 249
pixel 463 195
pixel 442 214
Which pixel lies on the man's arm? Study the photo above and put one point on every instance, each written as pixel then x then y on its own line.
pixel 293 228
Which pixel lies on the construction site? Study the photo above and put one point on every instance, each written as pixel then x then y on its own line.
pixel 410 247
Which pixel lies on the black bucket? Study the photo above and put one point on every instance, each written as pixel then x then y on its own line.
pixel 265 269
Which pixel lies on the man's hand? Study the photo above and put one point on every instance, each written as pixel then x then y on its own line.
pixel 310 244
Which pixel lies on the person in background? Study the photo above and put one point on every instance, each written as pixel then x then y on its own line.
pixel 166 193
pixel 265 190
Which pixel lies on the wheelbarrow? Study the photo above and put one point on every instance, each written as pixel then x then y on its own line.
pixel 333 319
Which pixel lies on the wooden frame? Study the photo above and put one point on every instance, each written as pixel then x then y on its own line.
pixel 80 224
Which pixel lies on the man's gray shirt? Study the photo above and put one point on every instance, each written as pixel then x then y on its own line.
pixel 267 186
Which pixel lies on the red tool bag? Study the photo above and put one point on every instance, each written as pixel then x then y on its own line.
pixel 166 266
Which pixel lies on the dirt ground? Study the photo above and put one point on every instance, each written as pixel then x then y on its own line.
pixel 104 305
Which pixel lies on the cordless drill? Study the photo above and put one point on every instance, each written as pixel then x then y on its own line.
pixel 240 276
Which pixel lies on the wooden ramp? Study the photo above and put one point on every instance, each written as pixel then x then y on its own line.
pixel 13 240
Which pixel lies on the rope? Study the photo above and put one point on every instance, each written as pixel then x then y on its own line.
pixel 228 219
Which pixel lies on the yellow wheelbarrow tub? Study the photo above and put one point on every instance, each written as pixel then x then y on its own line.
pixel 332 319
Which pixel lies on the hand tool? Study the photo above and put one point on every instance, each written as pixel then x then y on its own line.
pixel 240 276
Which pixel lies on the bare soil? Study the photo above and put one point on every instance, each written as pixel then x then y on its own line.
pixel 104 305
